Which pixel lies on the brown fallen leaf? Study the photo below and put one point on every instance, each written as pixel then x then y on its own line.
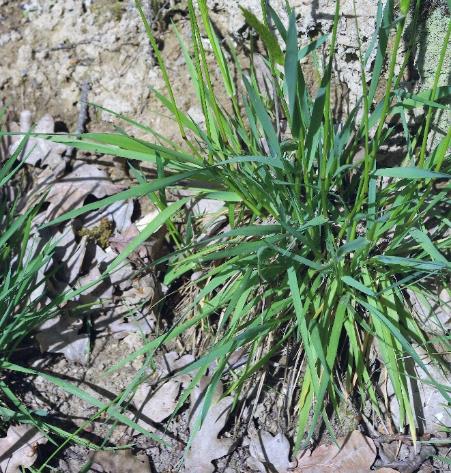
pixel 121 461
pixel 34 246
pixel 122 276
pixel 71 191
pixel 61 335
pixel 356 453
pixel 103 290
pixel 412 462
pixel 151 249
pixel 118 212
pixel 19 448
pixel 171 362
pixel 120 242
pixel 206 207
pixel 157 404
pixel 206 446
pixel 270 452
pixel 135 311
pixel 38 150
pixel 433 312
pixel 75 259
pixel 69 256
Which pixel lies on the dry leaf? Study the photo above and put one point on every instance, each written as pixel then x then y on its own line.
pixel 33 248
pixel 118 212
pixel 270 453
pixel 19 448
pixel 70 254
pixel 142 223
pixel 75 260
pixel 139 320
pixel 434 312
pixel 122 276
pixel 121 461
pixel 143 323
pixel 206 207
pixel 206 446
pixel 171 363
pixel 39 150
pixel 61 335
pixel 122 214
pixel 73 256
pixel 137 306
pixel 158 404
pixel 71 191
pixel 151 249
pixel 356 453
pixel 120 242
pixel 102 290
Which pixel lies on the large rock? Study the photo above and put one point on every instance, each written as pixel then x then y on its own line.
pixel 430 408
pixel 48 52
pixel 431 37
pixel 315 17
pixel 50 48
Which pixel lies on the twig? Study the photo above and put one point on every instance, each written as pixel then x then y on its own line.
pixel 274 86
pixel 83 113
pixel 407 439
pixel 64 46
pixel 411 464
pixel 151 18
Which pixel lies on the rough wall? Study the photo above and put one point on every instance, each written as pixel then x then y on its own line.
pixel 430 41
pixel 315 17
pixel 49 48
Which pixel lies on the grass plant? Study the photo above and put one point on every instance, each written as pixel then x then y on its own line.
pixel 25 259
pixel 325 233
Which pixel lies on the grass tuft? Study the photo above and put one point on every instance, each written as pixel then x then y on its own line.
pixel 325 233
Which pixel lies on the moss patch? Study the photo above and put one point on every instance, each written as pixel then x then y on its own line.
pixel 431 36
pixel 107 10
pixel 100 234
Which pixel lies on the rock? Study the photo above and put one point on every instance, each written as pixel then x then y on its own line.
pixel 429 407
pixel 197 115
pixel 431 34
pixel 24 57
pixel 315 17
pixel 65 40
pixel 434 315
